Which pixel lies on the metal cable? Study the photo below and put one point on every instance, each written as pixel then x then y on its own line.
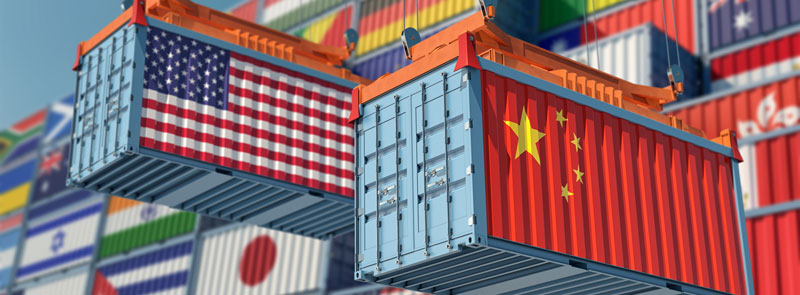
pixel 675 29
pixel 417 15
pixel 666 37
pixel 586 35
pixel 596 45
pixel 404 16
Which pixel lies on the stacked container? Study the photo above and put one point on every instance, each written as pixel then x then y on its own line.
pixel 490 165
pixel 231 120
pixel 329 28
pixel 283 15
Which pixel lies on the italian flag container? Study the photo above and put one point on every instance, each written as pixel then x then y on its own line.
pixel 491 166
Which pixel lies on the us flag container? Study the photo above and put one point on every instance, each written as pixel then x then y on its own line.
pixel 492 166
pixel 195 109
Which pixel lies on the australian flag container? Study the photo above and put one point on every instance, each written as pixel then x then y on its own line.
pixel 492 166
pixel 200 111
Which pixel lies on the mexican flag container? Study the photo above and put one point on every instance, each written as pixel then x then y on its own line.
pixel 492 166
pixel 192 108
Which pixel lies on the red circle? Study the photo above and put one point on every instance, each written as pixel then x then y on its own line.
pixel 257 260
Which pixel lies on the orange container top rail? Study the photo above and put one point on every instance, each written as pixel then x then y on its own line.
pixel 226 27
pixel 491 43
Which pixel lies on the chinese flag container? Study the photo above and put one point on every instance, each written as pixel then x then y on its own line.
pixel 188 107
pixel 491 166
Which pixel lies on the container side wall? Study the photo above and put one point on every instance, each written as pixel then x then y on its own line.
pixel 165 270
pixel 753 64
pixel 769 174
pixel 253 260
pixel 734 21
pixel 558 12
pixel 566 177
pixel 10 232
pixel 329 28
pixel 774 248
pixel 73 285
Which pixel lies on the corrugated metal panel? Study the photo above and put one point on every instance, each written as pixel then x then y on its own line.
pixel 384 63
pixel 751 111
pixel 253 260
pixel 268 143
pixel 774 247
pixel 73 285
pixel 753 64
pixel 10 229
pixel 284 14
pixel 60 234
pixel 163 271
pixel 374 290
pixel 616 21
pixel 246 11
pixel 733 21
pixel 380 22
pixel 770 172
pixel 52 173
pixel 340 263
pixel 564 173
pixel 329 29
pixel 652 216
pixel 639 56
pixel 554 13
pixel 59 120
pixel 132 224
pixel 209 223
pixel 18 145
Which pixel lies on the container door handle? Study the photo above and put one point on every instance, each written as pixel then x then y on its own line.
pixel 446 179
pixel 396 199
pixel 377 190
pixel 424 167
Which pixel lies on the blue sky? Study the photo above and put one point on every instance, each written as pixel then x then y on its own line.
pixel 38 41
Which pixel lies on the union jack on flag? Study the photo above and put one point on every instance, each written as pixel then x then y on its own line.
pixel 218 106
pixel 716 4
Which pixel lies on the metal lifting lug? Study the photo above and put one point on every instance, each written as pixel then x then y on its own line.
pixel 675 75
pixel 350 39
pixel 409 37
pixel 488 8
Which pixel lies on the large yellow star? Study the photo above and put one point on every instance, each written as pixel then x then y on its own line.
pixel 565 192
pixel 527 137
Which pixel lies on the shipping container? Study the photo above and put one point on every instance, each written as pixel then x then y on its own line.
pixel 58 124
pixel 60 234
pixel 255 132
pixel 18 146
pixel 10 229
pixel 774 245
pixel 132 224
pixel 329 28
pixel 639 56
pixel 68 285
pixel 252 260
pixel 374 290
pixel 209 223
pixel 247 10
pixel 734 21
pixel 381 22
pixel 626 16
pixel 388 61
pixel 754 109
pixel 340 264
pixel 554 13
pixel 770 172
pixel 756 62
pixel 521 171
pixel 51 174
pixel 165 270
pixel 284 15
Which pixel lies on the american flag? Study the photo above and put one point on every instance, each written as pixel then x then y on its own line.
pixel 209 104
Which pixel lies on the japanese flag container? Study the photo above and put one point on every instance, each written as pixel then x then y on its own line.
pixel 192 108
pixel 491 166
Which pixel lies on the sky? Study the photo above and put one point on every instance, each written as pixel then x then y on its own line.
pixel 38 43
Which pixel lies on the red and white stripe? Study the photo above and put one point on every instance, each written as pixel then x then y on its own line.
pixel 770 59
pixel 278 123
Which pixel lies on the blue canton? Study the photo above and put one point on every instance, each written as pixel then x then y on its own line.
pixel 186 68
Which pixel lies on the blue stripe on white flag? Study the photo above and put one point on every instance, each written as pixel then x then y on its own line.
pixel 73 255
pixel 154 257
pixel 72 198
pixel 61 221
pixel 166 282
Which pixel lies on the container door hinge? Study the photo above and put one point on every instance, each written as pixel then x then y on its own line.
pixel 468 124
pixel 470 169
pixel 360 212
pixel 472 220
pixel 360 257
pixel 360 170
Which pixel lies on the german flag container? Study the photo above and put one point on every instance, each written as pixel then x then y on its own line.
pixel 491 166
pixel 192 108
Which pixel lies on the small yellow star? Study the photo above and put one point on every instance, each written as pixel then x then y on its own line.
pixel 560 117
pixel 527 137
pixel 565 192
pixel 578 174
pixel 577 142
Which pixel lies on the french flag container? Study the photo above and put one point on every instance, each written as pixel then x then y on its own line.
pixel 200 111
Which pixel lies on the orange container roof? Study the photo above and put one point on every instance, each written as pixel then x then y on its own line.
pixel 491 43
pixel 226 27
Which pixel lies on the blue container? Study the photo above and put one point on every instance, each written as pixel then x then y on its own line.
pixel 108 154
pixel 733 21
